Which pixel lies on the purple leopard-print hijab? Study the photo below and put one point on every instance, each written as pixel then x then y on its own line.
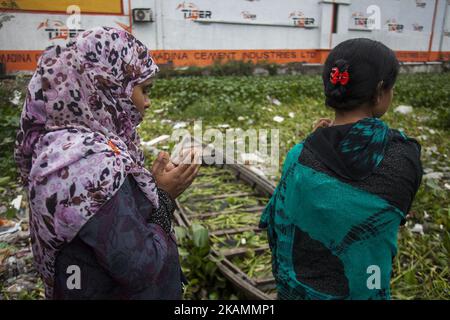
pixel 77 140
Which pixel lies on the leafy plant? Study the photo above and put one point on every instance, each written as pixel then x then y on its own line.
pixel 9 115
pixel 205 282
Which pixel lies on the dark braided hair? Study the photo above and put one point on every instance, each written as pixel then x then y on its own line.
pixel 368 62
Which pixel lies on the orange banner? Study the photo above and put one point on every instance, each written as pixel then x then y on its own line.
pixel 20 60
pixel 181 58
pixel 419 56
pixel 208 57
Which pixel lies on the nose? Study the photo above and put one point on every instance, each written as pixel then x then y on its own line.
pixel 147 103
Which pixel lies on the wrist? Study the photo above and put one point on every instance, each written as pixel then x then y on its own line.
pixel 166 192
pixel 163 215
pixel 166 199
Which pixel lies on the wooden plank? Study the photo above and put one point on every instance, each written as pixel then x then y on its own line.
pixel 252 288
pixel 181 219
pixel 234 231
pixel 233 268
pixel 266 284
pixel 273 296
pixel 245 174
pixel 231 253
pixel 240 280
pixel 227 174
pixel 267 287
pixel 183 214
pixel 262 281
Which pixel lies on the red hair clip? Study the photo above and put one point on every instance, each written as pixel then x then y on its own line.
pixel 337 76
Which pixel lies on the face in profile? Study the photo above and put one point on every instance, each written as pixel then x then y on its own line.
pixel 140 95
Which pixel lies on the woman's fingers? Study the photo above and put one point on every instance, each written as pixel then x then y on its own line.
pixel 193 175
pixel 186 159
pixel 170 166
pixel 189 171
pixel 176 179
pixel 185 170
pixel 160 163
pixel 322 123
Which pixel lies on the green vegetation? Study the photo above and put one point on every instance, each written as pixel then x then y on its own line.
pixel 421 269
pixel 194 248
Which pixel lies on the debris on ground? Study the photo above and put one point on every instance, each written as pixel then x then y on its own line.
pixel 418 228
pixel 18 277
pixel 274 101
pixel 404 109
pixel 278 119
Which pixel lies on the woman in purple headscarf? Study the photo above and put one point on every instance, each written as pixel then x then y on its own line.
pixel 100 222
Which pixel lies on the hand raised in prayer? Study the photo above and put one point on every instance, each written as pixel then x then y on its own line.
pixel 175 179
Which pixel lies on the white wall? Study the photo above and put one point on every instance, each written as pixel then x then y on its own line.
pixel 228 29
pixel 22 33
pixel 405 12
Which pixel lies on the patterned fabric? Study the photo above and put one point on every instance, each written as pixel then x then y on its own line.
pixel 396 179
pixel 77 140
pixel 357 153
pixel 121 253
pixel 328 232
pixel 163 216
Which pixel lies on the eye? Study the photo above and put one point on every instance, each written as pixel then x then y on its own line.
pixel 147 88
